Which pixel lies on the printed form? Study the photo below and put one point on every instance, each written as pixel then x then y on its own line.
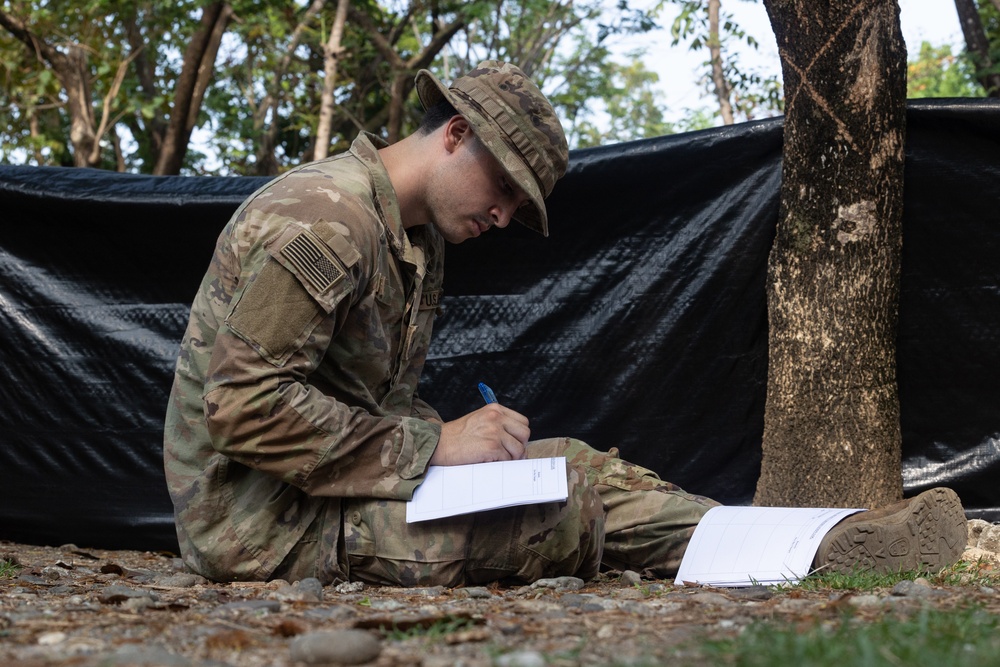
pixel 743 546
pixel 452 490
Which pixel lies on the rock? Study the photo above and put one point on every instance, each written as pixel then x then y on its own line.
pixel 250 605
pixel 305 590
pixel 51 638
pixel 560 583
pixel 473 592
pixel 712 598
pixel 989 540
pixel 118 593
pixel 180 580
pixel 750 593
pixel 631 578
pixel 916 589
pixel 520 659
pixel 975 528
pixel 387 605
pixel 349 587
pixel 346 647
pixel 629 594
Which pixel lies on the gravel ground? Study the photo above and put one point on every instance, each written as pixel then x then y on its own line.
pixel 77 606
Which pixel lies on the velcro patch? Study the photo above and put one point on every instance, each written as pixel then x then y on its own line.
pixel 314 263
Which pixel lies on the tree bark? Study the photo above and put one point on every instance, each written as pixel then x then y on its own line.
pixel 196 72
pixel 715 53
pixel 978 45
pixel 332 51
pixel 831 420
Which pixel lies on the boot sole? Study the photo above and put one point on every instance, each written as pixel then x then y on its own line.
pixel 928 534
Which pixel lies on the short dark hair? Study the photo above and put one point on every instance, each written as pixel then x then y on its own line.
pixel 436 116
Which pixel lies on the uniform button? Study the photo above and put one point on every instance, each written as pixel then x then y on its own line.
pixel 356 518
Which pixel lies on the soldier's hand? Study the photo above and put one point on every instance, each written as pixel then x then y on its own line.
pixel 491 433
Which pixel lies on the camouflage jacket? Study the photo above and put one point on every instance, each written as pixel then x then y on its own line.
pixel 297 375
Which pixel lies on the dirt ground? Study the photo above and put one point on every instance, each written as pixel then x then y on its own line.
pixel 78 606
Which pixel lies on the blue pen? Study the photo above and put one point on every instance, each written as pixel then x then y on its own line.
pixel 487 393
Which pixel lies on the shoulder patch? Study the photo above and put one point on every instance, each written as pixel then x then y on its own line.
pixel 314 263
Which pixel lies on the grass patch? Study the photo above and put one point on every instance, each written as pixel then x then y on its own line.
pixel 858 581
pixel 432 631
pixel 8 569
pixel 930 638
pixel 962 573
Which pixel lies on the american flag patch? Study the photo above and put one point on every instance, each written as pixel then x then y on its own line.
pixel 318 267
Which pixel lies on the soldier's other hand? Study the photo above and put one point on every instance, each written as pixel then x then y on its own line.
pixel 491 433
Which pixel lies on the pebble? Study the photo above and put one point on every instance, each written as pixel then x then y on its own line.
pixel 349 587
pixel 750 593
pixel 51 638
pixel 118 593
pixel 387 604
pixel 305 590
pixel 989 540
pixel 521 659
pixel 712 598
pixel 181 580
pixel 629 594
pixel 631 578
pixel 865 601
pixel 473 593
pixel 560 583
pixel 250 605
pixel 916 589
pixel 347 647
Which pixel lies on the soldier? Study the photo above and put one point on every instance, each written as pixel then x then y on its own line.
pixel 295 433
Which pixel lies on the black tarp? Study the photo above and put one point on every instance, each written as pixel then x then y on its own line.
pixel 639 323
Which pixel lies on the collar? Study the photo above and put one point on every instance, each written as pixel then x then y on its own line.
pixel 365 148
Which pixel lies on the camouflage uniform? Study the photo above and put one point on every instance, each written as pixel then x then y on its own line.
pixel 294 430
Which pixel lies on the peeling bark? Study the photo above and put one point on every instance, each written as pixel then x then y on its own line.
pixel 831 421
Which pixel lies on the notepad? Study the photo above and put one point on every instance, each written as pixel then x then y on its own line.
pixel 743 546
pixel 452 490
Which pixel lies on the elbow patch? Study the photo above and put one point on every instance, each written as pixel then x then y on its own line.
pixel 300 283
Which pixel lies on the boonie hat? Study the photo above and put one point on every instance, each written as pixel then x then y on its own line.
pixel 515 122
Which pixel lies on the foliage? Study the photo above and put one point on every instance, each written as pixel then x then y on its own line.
pixel 966 636
pixel 8 568
pixel 751 94
pixel 935 72
pixel 260 109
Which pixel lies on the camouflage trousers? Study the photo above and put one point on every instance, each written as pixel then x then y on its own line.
pixel 618 515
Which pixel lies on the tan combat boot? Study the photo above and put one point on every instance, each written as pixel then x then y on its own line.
pixel 926 532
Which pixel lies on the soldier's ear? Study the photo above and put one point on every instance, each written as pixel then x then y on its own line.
pixel 456 131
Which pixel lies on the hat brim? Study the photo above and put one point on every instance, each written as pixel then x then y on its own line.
pixel 533 215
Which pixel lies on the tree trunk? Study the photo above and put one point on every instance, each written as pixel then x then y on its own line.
pixel 332 52
pixel 978 45
pixel 71 70
pixel 196 72
pixel 715 52
pixel 831 419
